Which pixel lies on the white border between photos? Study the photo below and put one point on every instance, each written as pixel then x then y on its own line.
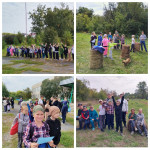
pixel 75 1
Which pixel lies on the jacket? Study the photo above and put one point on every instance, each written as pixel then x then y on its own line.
pixel 93 114
pixel 124 106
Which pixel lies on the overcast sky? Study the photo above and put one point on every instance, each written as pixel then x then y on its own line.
pixel 13 15
pixel 119 84
pixel 16 83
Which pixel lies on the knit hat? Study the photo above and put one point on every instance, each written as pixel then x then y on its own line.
pixel 38 108
pixel 53 110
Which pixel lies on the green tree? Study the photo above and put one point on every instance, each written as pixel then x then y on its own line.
pixel 5 92
pixel 27 93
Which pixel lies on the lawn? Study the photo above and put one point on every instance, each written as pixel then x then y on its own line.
pixel 138 65
pixel 110 138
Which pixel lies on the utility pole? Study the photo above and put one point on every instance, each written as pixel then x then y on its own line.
pixel 26 20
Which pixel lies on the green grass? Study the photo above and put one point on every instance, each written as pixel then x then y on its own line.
pixel 67 139
pixel 7 69
pixel 110 138
pixel 138 65
pixel 27 62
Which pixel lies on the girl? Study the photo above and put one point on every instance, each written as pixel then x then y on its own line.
pixel 65 50
pixel 122 40
pixel 100 38
pixel 105 45
pixel 54 124
pixel 72 50
pixel 57 51
pixel 93 39
pixel 36 129
pixel 133 43
pixel 61 52
pixel 53 49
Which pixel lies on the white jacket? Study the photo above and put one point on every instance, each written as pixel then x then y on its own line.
pixel 124 106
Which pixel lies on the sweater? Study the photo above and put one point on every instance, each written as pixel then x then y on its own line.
pixel 125 105
pixel 93 114
pixel 140 119
pixel 143 37
pixel 55 129
pixel 79 112
pixel 132 116
pixel 85 114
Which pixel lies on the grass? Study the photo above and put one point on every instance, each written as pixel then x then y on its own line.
pixel 67 139
pixel 7 69
pixel 27 62
pixel 138 65
pixel 110 138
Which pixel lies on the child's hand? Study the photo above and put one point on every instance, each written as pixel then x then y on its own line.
pixel 34 145
pixel 51 143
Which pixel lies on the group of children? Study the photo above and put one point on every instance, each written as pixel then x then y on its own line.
pixel 114 42
pixel 39 119
pixel 107 109
pixel 8 102
pixel 50 51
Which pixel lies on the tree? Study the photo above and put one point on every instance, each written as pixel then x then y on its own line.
pixel 5 92
pixel 27 94
pixel 142 90
pixel 51 88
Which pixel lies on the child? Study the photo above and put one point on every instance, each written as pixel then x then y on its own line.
pixel 110 114
pixel 65 50
pixel 54 124
pixel 118 114
pixel 132 119
pixel 122 40
pixel 117 38
pixel 53 49
pixel 93 39
pixel 23 120
pixel 109 36
pixel 105 44
pixel 69 54
pixel 57 51
pixel 36 129
pixel 93 117
pixel 47 109
pixel 8 51
pixel 50 50
pixel 72 51
pixel 31 52
pixel 79 116
pixel 64 111
pixel 110 48
pixel 142 41
pixel 101 115
pixel 85 117
pixel 61 52
pixel 133 43
pixel 100 38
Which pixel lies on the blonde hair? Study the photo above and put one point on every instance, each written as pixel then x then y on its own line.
pixel 133 36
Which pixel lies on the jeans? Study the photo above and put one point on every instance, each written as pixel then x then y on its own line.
pixel 132 47
pixel 143 43
pixel 92 122
pixel 64 117
pixel 124 118
pixel 5 108
pixel 144 129
pixel 119 124
pixel 132 124
pixel 101 121
pixel 86 123
pixel 110 121
pixel 20 139
pixel 110 54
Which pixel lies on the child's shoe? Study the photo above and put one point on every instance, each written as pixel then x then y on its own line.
pixel 132 132
pixel 93 129
pixel 121 134
pixel 136 129
pixel 142 134
pixel 102 130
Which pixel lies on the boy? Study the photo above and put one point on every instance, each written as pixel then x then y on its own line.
pixel 142 41
pixel 85 117
pixel 101 115
pixel 109 36
pixel 23 120
pixel 93 117
pixel 64 111
pixel 110 114
pixel 79 116
pixel 99 42
pixel 118 113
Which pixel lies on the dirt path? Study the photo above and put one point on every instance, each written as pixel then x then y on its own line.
pixel 48 67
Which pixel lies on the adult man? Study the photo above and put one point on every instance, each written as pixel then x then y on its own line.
pixel 142 41
pixel 40 102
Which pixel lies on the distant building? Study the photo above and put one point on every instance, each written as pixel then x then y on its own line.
pixel 36 88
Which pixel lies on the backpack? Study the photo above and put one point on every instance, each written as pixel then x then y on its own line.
pixel 14 128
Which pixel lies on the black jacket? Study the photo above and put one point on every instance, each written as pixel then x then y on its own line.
pixel 118 109
pixel 55 129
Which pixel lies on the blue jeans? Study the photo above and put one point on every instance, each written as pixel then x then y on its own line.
pixel 92 122
pixel 144 129
pixel 143 43
pixel 132 124
pixel 110 121
pixel 86 123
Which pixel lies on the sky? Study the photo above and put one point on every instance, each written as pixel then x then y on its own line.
pixel 13 15
pixel 16 83
pixel 96 6
pixel 118 83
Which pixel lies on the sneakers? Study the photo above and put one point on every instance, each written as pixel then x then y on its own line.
pixel 121 134
pixel 136 129
pixel 142 134
pixel 102 130
pixel 93 129
pixel 132 132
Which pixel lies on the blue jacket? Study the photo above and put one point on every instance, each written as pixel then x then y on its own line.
pixel 65 107
pixel 93 114
pixel 99 40
pixel 109 36
pixel 99 49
